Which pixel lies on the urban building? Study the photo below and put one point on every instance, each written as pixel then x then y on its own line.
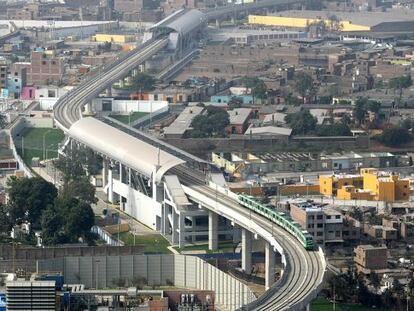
pixel 301 161
pixel 30 295
pixel 45 68
pixel 182 124
pixel 3 73
pixel 248 36
pixel 325 225
pixel 17 78
pixel 351 229
pixel 238 120
pixel 370 258
pixel 370 184
pixel 392 20
pixel 113 38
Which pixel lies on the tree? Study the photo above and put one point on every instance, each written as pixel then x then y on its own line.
pixel 394 136
pixel 52 226
pixel 142 82
pixel 360 110
pixel 400 83
pixel 301 122
pixel 79 219
pixel 375 280
pixel 66 221
pixel 81 189
pixel 71 164
pixel 292 100
pixel 210 124
pixel 325 100
pixel 304 85
pixel 3 121
pixel 316 5
pixel 374 219
pixel 257 86
pixel 28 198
pixel 373 106
pixel 357 213
pixel 346 119
pixel 336 129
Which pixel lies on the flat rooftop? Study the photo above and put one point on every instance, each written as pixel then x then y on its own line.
pixel 360 18
pixel 239 115
pixel 183 121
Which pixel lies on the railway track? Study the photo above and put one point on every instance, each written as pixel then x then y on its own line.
pixel 304 270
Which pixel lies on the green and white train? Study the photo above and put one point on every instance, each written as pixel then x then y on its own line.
pixel 279 218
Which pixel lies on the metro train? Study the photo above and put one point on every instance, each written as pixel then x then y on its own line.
pixel 278 218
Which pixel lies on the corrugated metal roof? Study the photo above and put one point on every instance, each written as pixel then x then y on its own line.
pixel 123 147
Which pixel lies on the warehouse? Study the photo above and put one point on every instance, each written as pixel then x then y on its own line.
pixel 390 21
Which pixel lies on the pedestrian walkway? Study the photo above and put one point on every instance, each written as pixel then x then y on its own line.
pixel 135 226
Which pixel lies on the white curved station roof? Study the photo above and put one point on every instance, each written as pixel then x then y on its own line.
pixel 123 147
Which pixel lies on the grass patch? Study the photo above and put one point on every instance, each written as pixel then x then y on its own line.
pixel 153 243
pixel 223 247
pixel 323 304
pixel 31 139
pixel 126 118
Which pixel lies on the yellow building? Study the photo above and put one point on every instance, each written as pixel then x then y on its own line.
pixel 301 22
pixel 371 184
pixel 112 38
pixel 329 184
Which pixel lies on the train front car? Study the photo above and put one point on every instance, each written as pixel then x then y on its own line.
pixel 278 218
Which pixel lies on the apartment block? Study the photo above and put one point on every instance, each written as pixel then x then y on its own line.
pixel 351 229
pixel 45 68
pixel 325 225
pixel 368 257
pixel 3 72
pixel 30 295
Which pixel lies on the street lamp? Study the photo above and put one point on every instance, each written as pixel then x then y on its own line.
pixel 44 144
pixel 97 261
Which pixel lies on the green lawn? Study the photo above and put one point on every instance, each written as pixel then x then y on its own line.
pixel 322 304
pixel 31 139
pixel 222 247
pixel 154 243
pixel 125 118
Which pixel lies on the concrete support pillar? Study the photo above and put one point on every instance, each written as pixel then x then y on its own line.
pixel 181 238
pixel 121 83
pixel 217 23
pixel 108 92
pixel 269 265
pixel 174 230
pixel 212 231
pixel 164 219
pixel 121 175
pixel 104 173
pixel 233 20
pixel 246 251
pixel 88 108
pixel 110 186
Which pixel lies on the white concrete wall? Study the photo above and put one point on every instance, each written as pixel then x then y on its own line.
pixel 184 271
pixel 138 105
pixel 139 206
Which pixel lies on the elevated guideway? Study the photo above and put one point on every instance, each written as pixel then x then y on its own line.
pixel 68 108
pixel 213 14
pixel 303 270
